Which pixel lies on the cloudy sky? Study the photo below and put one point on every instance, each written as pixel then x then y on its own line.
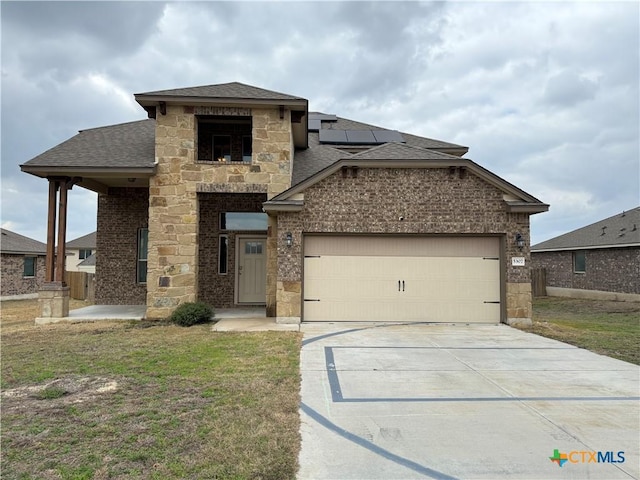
pixel 544 94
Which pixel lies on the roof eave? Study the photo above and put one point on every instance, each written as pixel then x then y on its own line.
pixel 527 207
pixel 283 206
pixel 90 178
pixel 457 151
pixel 44 171
pixel 22 252
pixel 585 247
pixel 154 100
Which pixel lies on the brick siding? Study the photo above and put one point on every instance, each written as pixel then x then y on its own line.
pixel 120 214
pixel 431 201
pixel 215 289
pixel 12 279
pixel 607 270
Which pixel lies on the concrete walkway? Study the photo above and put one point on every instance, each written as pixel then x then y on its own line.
pixel 241 319
pixel 467 402
pixel 94 313
pixel 248 319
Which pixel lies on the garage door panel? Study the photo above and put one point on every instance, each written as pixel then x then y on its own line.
pixel 443 288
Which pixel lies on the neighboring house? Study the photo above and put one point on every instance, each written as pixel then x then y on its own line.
pixel 236 195
pixel 88 264
pixel 602 257
pixel 78 251
pixel 23 265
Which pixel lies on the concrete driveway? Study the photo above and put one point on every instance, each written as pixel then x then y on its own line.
pixel 445 401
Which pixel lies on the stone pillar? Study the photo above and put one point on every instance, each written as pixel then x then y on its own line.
pixel 172 268
pixel 272 265
pixel 289 297
pixel 519 308
pixel 53 298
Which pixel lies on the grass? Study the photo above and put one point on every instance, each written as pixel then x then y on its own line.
pixel 158 401
pixel 154 401
pixel 605 327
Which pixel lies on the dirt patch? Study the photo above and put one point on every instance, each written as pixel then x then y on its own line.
pixel 62 391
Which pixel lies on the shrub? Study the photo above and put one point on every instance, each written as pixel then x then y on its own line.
pixel 191 313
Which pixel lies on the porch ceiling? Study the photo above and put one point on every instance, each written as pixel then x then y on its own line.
pixel 97 180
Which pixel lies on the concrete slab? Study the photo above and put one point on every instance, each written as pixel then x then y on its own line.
pixel 252 325
pixel 94 313
pixel 445 401
pixel 248 319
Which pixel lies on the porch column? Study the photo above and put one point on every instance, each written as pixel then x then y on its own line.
pixel 65 186
pixel 51 231
pixel 54 293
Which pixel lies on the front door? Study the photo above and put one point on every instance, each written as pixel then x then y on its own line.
pixel 252 270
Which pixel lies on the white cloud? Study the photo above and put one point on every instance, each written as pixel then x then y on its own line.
pixel 544 94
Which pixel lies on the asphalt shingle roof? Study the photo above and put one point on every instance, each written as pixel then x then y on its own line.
pixel 89 261
pixel 307 163
pixel 86 241
pixel 401 151
pixel 115 146
pixel 11 242
pixel 223 90
pixel 622 229
pixel 317 157
pixel 346 124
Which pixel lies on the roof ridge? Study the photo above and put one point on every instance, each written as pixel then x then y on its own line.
pixel 406 146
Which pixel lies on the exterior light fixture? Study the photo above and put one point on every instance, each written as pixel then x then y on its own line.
pixel 289 239
pixel 519 241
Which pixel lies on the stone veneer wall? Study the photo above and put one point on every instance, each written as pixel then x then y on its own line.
pixel 431 201
pixel 215 289
pixel 12 279
pixel 173 210
pixel 121 213
pixel 607 270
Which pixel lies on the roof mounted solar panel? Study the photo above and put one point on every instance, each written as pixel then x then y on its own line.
pixel 360 137
pixel 386 136
pixel 332 136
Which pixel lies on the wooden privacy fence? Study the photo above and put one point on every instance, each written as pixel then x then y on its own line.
pixel 82 285
pixel 538 282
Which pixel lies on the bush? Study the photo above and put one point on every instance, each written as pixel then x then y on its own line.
pixel 191 313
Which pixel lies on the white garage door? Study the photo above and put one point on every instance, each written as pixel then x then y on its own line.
pixel 426 279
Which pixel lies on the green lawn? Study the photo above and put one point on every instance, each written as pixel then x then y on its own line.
pixel 155 401
pixel 126 400
pixel 605 327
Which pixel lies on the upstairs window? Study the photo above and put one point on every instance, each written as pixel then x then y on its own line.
pixel 84 253
pixel 224 139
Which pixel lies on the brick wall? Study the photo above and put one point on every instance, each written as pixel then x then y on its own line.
pixel 213 288
pixel 120 214
pixel 430 201
pixel 607 270
pixel 12 280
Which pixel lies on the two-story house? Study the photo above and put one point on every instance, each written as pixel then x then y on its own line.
pixel 81 251
pixel 236 195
